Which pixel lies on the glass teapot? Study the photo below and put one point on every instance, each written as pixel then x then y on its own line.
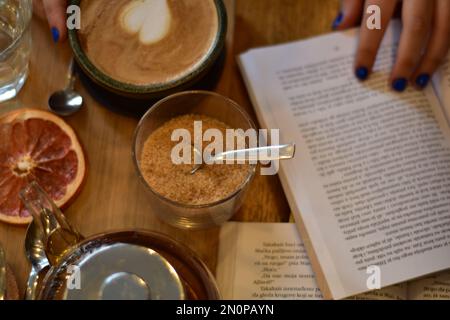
pixel 125 265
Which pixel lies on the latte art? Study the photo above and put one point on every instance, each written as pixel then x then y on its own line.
pixel 148 42
pixel 149 18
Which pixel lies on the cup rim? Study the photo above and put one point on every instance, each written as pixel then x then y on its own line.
pixel 245 183
pixel 19 37
pixel 129 88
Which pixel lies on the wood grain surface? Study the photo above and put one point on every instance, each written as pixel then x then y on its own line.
pixel 112 197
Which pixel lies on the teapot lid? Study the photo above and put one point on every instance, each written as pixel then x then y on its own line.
pixel 119 271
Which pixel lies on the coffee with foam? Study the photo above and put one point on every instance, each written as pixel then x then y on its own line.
pixel 150 18
pixel 145 42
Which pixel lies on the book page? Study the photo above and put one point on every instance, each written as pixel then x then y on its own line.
pixel 370 184
pixel 269 261
pixel 441 85
pixel 395 292
pixel 435 287
pixel 264 261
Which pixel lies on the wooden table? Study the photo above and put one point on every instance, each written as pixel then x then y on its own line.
pixel 112 197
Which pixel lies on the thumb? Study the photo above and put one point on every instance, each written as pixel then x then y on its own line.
pixel 55 11
pixel 350 15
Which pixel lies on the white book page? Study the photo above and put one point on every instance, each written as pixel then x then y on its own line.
pixel 441 84
pixel 259 261
pixel 435 287
pixel 395 292
pixel 268 261
pixel 371 178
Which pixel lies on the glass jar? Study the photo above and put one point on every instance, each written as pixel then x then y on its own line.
pixel 15 45
pixel 187 216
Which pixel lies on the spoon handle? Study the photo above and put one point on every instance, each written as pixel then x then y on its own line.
pixel 71 75
pixel 269 153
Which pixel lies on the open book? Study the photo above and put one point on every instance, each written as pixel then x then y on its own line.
pixel 370 184
pixel 269 261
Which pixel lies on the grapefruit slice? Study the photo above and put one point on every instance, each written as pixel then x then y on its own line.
pixel 36 145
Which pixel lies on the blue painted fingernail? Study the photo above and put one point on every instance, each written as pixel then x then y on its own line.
pixel 55 34
pixel 399 84
pixel 422 80
pixel 338 20
pixel 362 73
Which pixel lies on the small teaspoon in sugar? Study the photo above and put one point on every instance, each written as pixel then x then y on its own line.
pixel 270 153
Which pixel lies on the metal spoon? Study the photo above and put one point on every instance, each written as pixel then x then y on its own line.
pixel 67 101
pixel 270 153
pixel 35 251
pixel 2 274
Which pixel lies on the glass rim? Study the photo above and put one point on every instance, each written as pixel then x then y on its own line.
pixel 17 39
pixel 242 186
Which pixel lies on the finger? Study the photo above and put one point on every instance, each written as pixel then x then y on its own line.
pixel 38 8
pixel 56 15
pixel 370 39
pixel 416 17
pixel 350 14
pixel 438 44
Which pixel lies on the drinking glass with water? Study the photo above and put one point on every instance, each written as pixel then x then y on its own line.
pixel 15 45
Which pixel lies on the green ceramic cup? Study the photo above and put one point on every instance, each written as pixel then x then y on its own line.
pixel 153 91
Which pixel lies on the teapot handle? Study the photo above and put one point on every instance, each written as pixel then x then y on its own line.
pixel 58 235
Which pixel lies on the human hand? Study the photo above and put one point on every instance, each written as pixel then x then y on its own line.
pixel 54 11
pixel 424 42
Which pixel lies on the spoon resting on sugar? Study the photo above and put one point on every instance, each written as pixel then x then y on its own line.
pixel 270 153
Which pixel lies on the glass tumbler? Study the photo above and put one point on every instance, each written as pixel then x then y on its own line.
pixel 185 103
pixel 15 45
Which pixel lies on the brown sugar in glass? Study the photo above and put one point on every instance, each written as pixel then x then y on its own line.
pixel 174 181
pixel 212 195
